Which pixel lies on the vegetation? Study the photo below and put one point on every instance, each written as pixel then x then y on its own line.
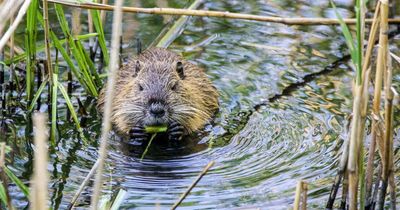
pixel 86 57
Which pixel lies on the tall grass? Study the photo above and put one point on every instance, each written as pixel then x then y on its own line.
pixel 358 180
pixel 30 46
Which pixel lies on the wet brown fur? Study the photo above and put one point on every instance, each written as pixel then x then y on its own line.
pixel 192 103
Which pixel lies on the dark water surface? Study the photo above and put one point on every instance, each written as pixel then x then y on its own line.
pixel 260 155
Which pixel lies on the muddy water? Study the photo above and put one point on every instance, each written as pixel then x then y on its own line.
pixel 260 154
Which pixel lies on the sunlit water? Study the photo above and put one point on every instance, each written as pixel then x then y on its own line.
pixel 259 155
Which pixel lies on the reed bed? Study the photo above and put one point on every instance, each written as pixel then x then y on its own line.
pixel 358 189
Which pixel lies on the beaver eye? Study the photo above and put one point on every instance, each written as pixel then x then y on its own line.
pixel 140 87
pixel 175 86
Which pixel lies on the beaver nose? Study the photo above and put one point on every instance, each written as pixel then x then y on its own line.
pixel 157 110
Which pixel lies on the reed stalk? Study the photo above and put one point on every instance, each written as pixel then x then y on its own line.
pixel 355 161
pixel 30 46
pixel 106 126
pixel 341 172
pixel 21 13
pixel 177 28
pixel 387 146
pixel 375 106
pixel 39 194
pixel 300 201
pixel 297 198
pixel 53 75
pixel 186 193
pixel 83 184
pixel 220 14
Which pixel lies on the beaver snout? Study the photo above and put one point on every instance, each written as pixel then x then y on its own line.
pixel 157 109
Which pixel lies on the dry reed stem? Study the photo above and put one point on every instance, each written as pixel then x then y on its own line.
pixel 183 196
pixel 83 184
pixel 103 13
pixel 300 196
pixel 357 136
pixel 18 19
pixel 387 153
pixel 297 198
pixel 90 28
pixel 387 144
pixel 376 104
pixel 221 14
pixel 106 126
pixel 381 61
pixel 304 196
pixel 38 194
pixel 7 10
pixel 352 165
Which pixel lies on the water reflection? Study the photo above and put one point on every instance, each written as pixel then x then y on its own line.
pixel 260 155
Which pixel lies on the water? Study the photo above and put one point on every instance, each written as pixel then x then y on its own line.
pixel 260 155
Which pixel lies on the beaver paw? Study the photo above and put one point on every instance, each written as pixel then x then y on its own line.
pixel 137 133
pixel 175 131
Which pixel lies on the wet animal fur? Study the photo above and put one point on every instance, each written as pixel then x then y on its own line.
pixel 191 99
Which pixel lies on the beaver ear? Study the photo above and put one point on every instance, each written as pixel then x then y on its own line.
pixel 137 68
pixel 179 69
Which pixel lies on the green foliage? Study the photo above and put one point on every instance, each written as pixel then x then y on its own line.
pixel 155 129
pixel 37 94
pixel 355 48
pixel 148 146
pixel 3 196
pixel 30 46
pixel 24 189
pixel 101 39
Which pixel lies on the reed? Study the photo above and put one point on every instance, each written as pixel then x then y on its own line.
pixel 359 180
pixel 30 46
pixel 176 29
pixel 39 197
pixel 106 126
pixel 186 193
pixel 300 200
pixel 6 36
pixel 220 14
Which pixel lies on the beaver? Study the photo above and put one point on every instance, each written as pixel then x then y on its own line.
pixel 159 87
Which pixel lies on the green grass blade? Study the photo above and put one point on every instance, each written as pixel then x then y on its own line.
pixel 41 48
pixel 102 40
pixel 72 110
pixel 54 85
pixel 37 94
pixel 148 146
pixel 3 196
pixel 347 35
pixel 83 78
pixel 89 62
pixel 30 46
pixel 68 60
pixel 79 57
pixel 24 189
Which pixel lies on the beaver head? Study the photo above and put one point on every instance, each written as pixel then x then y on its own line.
pixel 158 92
